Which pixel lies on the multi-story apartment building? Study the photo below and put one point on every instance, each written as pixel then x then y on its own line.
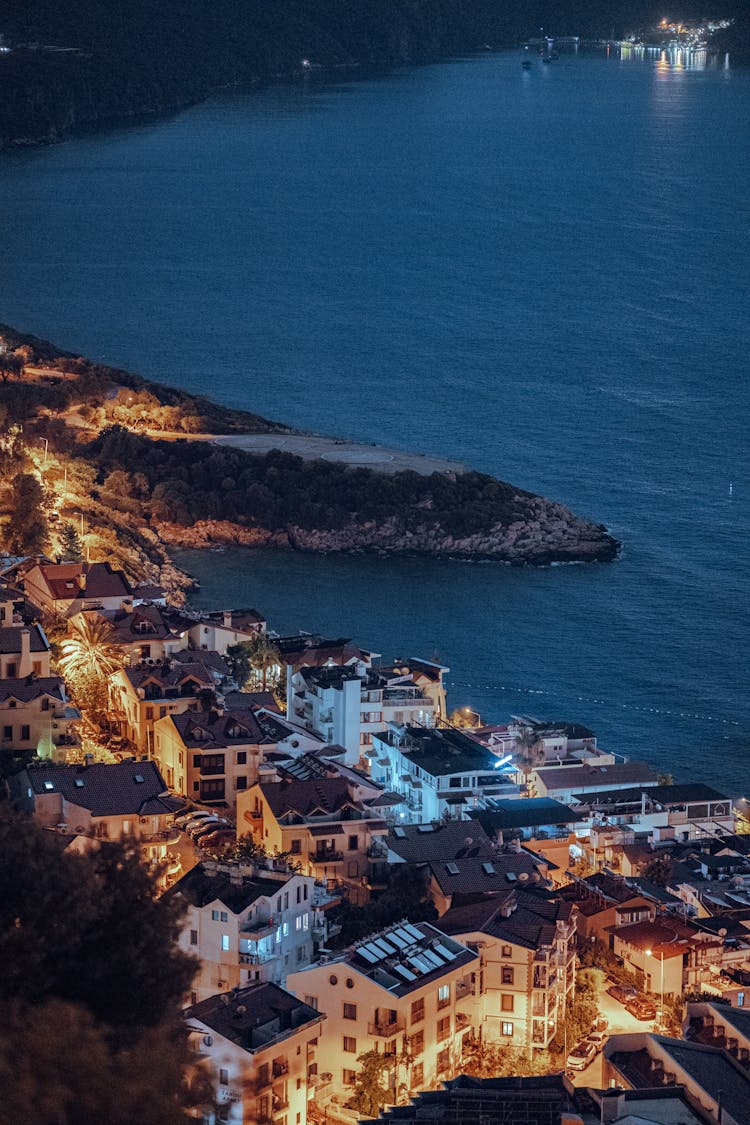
pixel 683 811
pixel 327 823
pixel 406 992
pixel 441 772
pixel 212 756
pixel 97 801
pixel 254 1054
pixel 527 965
pixel 141 695
pixel 349 704
pixel 247 923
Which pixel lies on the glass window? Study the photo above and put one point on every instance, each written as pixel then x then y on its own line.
pixel 443 1029
pixel 350 1045
pixel 507 1028
pixel 506 1002
pixel 417 1011
pixel 416 1042
pixel 506 951
pixel 223 1077
pixel 225 942
pixel 242 783
pixel 417 1076
pixel 507 974
pixel 349 1077
pixel 241 757
pixel 350 1011
pixel 444 995
pixel 193 937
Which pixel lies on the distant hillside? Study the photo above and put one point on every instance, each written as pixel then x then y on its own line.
pixel 86 64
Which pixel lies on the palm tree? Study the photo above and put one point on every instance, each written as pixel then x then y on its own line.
pixel 263 655
pixel 89 658
pixel 530 750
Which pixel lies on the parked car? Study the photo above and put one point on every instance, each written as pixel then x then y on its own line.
pixel 207 827
pixel 641 1007
pixel 195 828
pixel 189 814
pixel 601 1023
pixel 598 1038
pixel 622 992
pixel 216 838
pixel 203 818
pixel 580 1057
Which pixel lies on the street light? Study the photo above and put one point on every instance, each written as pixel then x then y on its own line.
pixel 649 953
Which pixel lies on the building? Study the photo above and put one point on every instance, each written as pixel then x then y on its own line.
pixel 212 756
pixel 143 632
pixel 349 704
pixel 406 992
pixel 668 955
pixel 720 1025
pixel 218 631
pixel 527 963
pixel 143 694
pixel 255 1054
pixel 24 651
pixel 683 812
pixel 37 716
pixel 604 902
pixel 470 879
pixel 549 828
pixel 331 824
pixel 249 923
pixel 716 1084
pixel 96 802
pixel 568 783
pixel 439 773
pixel 63 589
pixel 438 842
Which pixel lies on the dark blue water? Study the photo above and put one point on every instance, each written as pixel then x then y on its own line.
pixel 543 274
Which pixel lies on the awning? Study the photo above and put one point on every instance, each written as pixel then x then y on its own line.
pixel 326 830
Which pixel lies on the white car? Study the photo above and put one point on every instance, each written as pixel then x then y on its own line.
pixel 580 1057
pixel 598 1038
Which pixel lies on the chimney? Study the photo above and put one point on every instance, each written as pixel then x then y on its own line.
pixel 88 760
pixel 24 665
pixel 612 1105
pixel 82 581
pixel 228 618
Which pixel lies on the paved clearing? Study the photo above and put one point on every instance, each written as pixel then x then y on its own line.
pixel 312 447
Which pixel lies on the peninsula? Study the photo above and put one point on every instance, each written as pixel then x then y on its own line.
pixel 136 467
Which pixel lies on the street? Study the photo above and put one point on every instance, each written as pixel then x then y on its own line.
pixel 619 1021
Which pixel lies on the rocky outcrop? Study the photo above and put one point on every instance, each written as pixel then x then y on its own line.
pixel 553 535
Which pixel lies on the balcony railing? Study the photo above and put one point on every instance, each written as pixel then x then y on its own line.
pixel 165 836
pixel 386 1029
pixel 255 958
pixel 326 857
pixel 464 988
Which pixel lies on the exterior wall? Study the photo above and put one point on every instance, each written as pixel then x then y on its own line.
pixel 523 993
pixel 260 1085
pixel 384 1022
pixel 183 772
pixel 638 961
pixel 213 636
pixel 24 662
pixel 272 937
pixel 139 715
pixel 47 729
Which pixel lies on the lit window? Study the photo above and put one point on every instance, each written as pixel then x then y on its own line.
pixel 350 1045
pixel 298 922
pixel 306 922
pixel 285 929
pixel 507 1028
pixel 224 942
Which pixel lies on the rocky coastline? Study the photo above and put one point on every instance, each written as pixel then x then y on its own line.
pixel 553 535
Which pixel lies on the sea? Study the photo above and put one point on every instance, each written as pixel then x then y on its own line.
pixel 542 273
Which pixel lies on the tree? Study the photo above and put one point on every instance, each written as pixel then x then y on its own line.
pixel 658 870
pixel 70 543
pixel 258 653
pixel 530 751
pixel 91 966
pixel 28 524
pixel 89 658
pixel 11 364
pixel 370 1091
pixel 581 1013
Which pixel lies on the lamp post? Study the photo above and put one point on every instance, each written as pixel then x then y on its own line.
pixel 649 953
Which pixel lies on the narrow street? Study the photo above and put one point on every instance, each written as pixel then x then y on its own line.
pixel 619 1021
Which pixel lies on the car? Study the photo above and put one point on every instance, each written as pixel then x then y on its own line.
pixel 207 827
pixel 622 992
pixel 196 828
pixel 641 1007
pixel 598 1038
pixel 190 826
pixel 217 838
pixel 581 1055
pixel 189 814
pixel 601 1023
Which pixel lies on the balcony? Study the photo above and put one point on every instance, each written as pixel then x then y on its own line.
pixel 255 958
pixel 326 857
pixel 165 836
pixel 279 1068
pixel 387 1030
pixel 464 988
pixel 462 1021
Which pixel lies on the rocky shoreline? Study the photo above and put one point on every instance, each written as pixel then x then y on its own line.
pixel 553 535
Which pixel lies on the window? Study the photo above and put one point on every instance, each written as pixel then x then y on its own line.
pixel 298 922
pixel 740 999
pixel 214 915
pixel 350 1011
pixel 416 1042
pixel 507 1028
pixel 285 929
pixel 506 951
pixel 443 1029
pixel 223 1077
pixel 242 783
pixel 311 1001
pixel 196 786
pixel 149 714
pixel 350 1045
pixel 454 783
pixel 193 937
pixel 417 1076
pixel 7 732
pixel 241 757
pixel 507 974
pixel 443 1060
pixel 506 1002
pixel 306 920
pixel 45 703
pixel 301 953
pixel 444 996
pixel 417 1011
pixel 286 900
pixel 305 890
pixel 353 842
pixel 225 943
pixel 25 733
pixel 296 847
pixel 212 790
pixel 11 674
pixel 349 1077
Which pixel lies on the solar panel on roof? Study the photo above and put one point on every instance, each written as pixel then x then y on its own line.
pixel 488 869
pixel 416 934
pixel 399 940
pixel 510 876
pixel 399 832
pixel 451 868
pixel 430 956
pixel 407 974
pixel 382 947
pixel 420 965
pixel 368 955
pixel 405 936
pixel 424 828
pixel 449 954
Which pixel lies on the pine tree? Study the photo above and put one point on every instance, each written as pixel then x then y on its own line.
pixel 70 544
